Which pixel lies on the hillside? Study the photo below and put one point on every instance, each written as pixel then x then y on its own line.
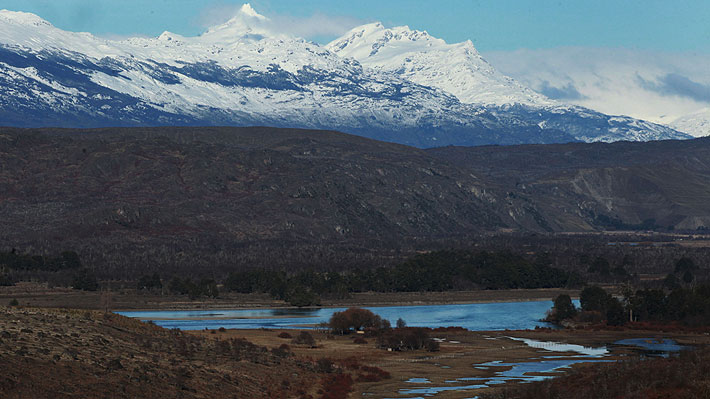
pixel 68 353
pixel 189 199
pixel 602 186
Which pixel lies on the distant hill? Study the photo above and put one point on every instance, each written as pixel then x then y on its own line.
pixel 184 199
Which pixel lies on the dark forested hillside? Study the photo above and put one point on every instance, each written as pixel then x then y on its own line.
pixel 186 199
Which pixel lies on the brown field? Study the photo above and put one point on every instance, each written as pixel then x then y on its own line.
pixel 454 360
pixel 39 295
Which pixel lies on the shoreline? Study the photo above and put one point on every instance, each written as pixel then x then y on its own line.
pixel 126 300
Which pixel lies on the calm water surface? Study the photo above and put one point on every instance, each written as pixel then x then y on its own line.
pixel 477 317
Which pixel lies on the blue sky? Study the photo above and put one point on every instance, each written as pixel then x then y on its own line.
pixel 493 25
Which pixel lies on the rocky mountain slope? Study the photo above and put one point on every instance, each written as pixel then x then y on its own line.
pixel 460 70
pixel 243 73
pixel 183 199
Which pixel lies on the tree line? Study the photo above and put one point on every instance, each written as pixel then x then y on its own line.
pixel 443 270
pixel 689 306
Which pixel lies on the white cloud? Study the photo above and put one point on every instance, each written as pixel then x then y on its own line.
pixel 315 26
pixel 655 86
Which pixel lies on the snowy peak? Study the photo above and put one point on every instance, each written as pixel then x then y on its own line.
pixel 22 18
pixel 371 40
pixel 246 24
pixel 417 56
pixel 696 124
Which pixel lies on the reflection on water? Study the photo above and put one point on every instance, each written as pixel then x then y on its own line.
pixel 476 317
pixel 653 347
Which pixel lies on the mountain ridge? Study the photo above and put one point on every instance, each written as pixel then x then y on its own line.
pixel 244 77
pixel 186 198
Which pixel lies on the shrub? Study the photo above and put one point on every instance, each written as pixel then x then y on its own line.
pixel 305 338
pixel 410 338
pixel 337 386
pixel 359 340
pixel 373 374
pixel 14 302
pixel 355 319
pixel 285 335
pixel 325 365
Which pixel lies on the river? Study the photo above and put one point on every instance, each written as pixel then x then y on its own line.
pixel 475 317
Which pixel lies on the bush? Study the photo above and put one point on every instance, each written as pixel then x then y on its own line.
pixel 359 340
pixel 305 338
pixel 14 302
pixel 337 386
pixel 325 365
pixel 285 335
pixel 355 319
pixel 409 338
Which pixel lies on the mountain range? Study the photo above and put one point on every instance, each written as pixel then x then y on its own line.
pixel 387 84
pixel 187 198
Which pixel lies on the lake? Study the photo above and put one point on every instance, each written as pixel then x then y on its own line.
pixel 476 316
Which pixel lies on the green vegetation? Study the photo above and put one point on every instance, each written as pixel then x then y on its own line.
pixel 434 271
pixel 85 280
pixel 15 261
pixel 150 282
pixel 204 287
pixel 563 308
pixel 688 306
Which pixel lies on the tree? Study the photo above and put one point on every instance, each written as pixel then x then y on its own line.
pixel 563 308
pixel 600 266
pixel 615 314
pixel 593 298
pixel 688 277
pixel 85 280
pixel 401 323
pixel 149 282
pixel 300 296
pixel 685 264
pixel 354 319
pixel 671 282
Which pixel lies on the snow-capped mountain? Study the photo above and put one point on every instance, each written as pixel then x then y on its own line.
pixel 460 70
pixel 696 123
pixel 244 73
pixel 417 56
